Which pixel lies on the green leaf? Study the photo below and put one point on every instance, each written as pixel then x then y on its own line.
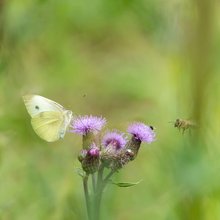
pixel 125 184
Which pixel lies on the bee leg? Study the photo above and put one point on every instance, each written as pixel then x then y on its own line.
pixel 183 131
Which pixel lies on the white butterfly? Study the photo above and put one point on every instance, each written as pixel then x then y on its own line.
pixel 48 118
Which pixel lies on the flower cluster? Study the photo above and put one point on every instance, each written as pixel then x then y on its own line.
pixel 114 150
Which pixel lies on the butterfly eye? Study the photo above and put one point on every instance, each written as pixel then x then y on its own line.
pixel 37 107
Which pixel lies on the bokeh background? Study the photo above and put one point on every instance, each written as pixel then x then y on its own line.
pixel 148 60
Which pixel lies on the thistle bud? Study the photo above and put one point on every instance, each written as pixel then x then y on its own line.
pixel 90 163
pixel 82 155
pixel 133 147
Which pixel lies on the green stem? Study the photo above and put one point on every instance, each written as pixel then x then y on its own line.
pixel 108 177
pixel 93 182
pixel 98 193
pixel 86 193
pixel 101 183
pixel 100 174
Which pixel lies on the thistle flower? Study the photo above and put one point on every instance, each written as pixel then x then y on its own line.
pixel 113 152
pixel 114 139
pixel 142 132
pixel 87 124
pixel 88 127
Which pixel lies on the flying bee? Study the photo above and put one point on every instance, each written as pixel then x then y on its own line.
pixel 183 124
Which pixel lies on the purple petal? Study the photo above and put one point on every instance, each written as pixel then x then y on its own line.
pixel 142 132
pixel 115 139
pixel 85 124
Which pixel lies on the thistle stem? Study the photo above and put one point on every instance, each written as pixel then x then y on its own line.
pixel 100 174
pixel 86 193
pixel 98 193
pixel 93 206
pixel 101 183
pixel 93 182
pixel 108 176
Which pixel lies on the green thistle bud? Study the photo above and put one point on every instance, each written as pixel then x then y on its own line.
pixel 82 155
pixel 90 163
pixel 133 146
pixel 115 160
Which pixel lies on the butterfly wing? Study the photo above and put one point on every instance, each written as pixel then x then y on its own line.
pixel 36 104
pixel 48 125
pixel 49 119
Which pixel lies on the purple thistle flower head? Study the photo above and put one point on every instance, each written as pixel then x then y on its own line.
pixel 142 132
pixel 94 151
pixel 114 139
pixel 86 124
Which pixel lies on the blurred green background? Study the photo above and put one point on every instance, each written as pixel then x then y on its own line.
pixel 147 60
